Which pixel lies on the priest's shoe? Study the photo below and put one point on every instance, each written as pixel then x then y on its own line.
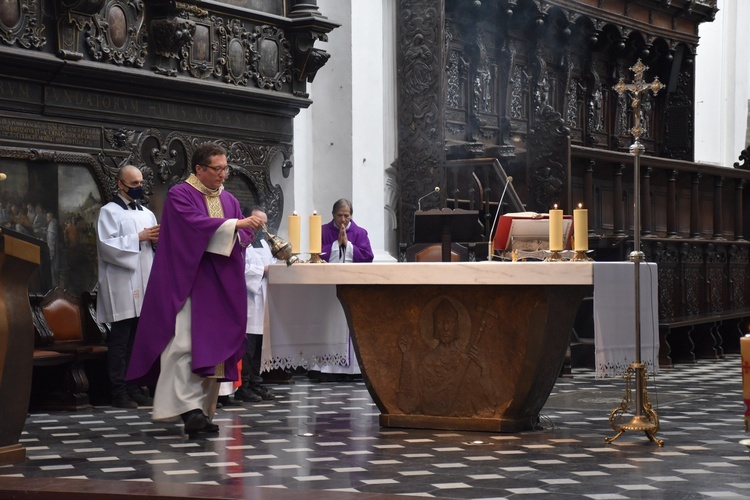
pixel 197 423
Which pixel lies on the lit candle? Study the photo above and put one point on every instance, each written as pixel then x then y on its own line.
pixel 294 231
pixel 581 229
pixel 316 226
pixel 555 230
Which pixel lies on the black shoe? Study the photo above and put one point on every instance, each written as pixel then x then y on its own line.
pixel 196 423
pixel 264 393
pixel 141 399
pixel 226 401
pixel 246 396
pixel 123 401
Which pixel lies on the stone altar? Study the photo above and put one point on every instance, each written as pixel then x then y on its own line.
pixel 460 346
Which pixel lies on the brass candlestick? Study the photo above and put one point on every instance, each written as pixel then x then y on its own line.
pixel 554 256
pixel 580 256
pixel 645 418
pixel 315 259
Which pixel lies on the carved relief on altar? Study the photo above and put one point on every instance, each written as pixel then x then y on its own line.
pixel 444 371
pixel 21 23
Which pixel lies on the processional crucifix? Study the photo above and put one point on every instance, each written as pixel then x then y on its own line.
pixel 645 418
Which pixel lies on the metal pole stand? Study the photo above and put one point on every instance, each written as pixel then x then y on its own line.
pixel 645 418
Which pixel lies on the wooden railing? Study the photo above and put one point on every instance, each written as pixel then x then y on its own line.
pixel 693 225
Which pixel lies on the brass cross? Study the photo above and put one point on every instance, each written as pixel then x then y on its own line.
pixel 636 89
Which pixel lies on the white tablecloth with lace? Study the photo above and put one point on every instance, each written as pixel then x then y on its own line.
pixel 614 317
pixel 307 329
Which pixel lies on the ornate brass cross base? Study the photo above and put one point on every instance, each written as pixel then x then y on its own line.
pixel 645 418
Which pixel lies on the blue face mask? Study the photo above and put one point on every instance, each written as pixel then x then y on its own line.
pixel 135 192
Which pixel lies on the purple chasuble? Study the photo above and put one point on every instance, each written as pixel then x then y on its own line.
pixel 215 284
pixel 356 235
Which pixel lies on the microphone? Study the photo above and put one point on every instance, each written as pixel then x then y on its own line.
pixel 508 180
pixel 419 201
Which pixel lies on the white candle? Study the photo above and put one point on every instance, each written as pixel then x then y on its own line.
pixel 581 229
pixel 294 231
pixel 555 230
pixel 316 227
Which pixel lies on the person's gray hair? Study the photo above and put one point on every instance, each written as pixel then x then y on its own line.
pixel 343 202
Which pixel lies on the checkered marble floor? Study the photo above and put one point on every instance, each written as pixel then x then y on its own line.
pixel 318 437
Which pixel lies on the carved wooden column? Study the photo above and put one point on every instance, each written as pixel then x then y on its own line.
pixel 718 233
pixel 421 96
pixel 695 202
pixel 646 217
pixel 672 203
pixel 618 222
pixel 588 194
pixel 739 187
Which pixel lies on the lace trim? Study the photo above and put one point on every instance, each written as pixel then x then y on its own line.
pixel 293 362
pixel 618 368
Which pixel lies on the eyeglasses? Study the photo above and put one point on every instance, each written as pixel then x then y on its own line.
pixel 219 170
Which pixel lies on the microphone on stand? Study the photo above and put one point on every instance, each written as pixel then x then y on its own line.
pixel 419 201
pixel 491 242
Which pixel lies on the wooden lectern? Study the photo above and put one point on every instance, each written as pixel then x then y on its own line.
pixel 19 258
pixel 445 226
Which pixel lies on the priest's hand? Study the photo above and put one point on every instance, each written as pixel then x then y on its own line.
pixel 253 222
pixel 149 234
pixel 342 236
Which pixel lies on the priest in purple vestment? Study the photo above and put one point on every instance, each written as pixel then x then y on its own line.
pixel 191 332
pixel 342 239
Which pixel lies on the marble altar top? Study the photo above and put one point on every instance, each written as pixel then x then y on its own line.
pixel 434 273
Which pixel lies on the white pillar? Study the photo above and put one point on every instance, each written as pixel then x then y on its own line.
pixel 721 85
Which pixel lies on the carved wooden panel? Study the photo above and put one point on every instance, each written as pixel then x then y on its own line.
pixel 21 23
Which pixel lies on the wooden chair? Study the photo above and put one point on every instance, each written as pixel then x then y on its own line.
pixel 62 350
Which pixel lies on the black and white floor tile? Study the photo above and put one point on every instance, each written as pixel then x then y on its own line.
pixel 325 437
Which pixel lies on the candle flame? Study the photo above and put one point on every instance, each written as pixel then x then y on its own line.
pixel 294 212
pixel 580 205
pixel 555 207
pixel 315 212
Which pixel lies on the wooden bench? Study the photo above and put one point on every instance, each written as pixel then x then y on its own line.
pixel 67 351
pixel 707 336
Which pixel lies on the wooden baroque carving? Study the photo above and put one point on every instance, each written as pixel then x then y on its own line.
pixel 170 36
pixel 271 60
pixel 547 174
pixel 234 49
pixel 198 57
pixel 420 95
pixel 21 24
pixel 73 18
pixel 119 35
pixel 307 59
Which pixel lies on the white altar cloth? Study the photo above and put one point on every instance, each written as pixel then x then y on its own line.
pixel 614 317
pixel 307 328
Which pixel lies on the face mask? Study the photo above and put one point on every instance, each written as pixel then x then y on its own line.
pixel 135 192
